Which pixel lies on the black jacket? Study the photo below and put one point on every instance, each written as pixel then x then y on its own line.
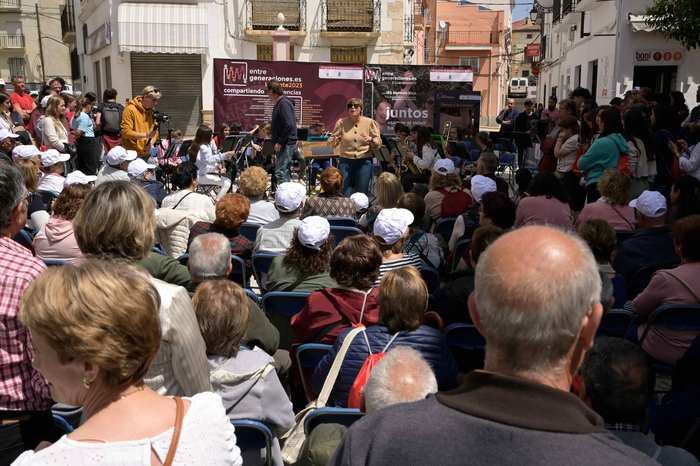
pixel 284 122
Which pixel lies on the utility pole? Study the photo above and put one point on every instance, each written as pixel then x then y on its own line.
pixel 41 45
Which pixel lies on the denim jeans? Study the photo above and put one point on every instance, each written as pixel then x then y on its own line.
pixel 357 174
pixel 284 162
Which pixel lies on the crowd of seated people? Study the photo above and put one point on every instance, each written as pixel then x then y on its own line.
pixel 521 271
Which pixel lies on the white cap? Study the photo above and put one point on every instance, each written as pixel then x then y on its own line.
pixel 651 204
pixel 482 185
pixel 78 177
pixel 313 232
pixel 52 157
pixel 118 154
pixel 361 200
pixel 289 196
pixel 138 167
pixel 6 133
pixel 444 167
pixel 45 100
pixel 25 152
pixel 391 224
pixel 2 82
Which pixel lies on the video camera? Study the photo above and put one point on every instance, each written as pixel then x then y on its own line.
pixel 161 117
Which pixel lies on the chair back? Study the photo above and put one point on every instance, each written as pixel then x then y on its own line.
pixel 342 222
pixel 431 277
pixel 340 233
pixel 252 295
pixel 54 262
pixel 307 357
pixel 444 227
pixel 331 415
pixel 70 414
pixel 467 345
pixel 249 230
pixel 678 317
pixel 255 441
pixel 641 278
pixel 615 323
pixel 61 424
pixel 261 266
pixel 280 306
pixel 461 249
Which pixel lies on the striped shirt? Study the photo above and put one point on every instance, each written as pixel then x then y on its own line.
pixel 406 261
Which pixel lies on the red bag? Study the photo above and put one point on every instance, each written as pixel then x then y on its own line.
pixel 548 162
pixel 455 202
pixel 623 164
pixel 356 397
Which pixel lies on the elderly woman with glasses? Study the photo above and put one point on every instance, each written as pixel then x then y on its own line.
pixel 355 136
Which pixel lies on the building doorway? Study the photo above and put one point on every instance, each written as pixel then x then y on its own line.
pixel 660 79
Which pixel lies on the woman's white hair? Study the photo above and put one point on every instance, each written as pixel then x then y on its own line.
pixel 401 376
pixel 210 256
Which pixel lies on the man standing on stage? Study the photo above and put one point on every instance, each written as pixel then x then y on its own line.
pixel 284 131
pixel 138 127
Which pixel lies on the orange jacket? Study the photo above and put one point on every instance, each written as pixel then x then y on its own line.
pixel 136 120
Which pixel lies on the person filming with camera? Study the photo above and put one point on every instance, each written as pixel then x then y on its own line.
pixel 138 127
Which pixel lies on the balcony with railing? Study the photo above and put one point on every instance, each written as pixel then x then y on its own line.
pixel 10 5
pixel 11 41
pixel 262 14
pixel 351 16
pixel 471 38
pixel 68 22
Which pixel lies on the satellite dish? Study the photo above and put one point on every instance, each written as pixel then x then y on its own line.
pixel 443 25
pixel 545 3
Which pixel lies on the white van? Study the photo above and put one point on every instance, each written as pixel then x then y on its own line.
pixel 518 87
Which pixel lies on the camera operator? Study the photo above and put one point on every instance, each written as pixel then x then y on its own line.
pixel 109 116
pixel 138 127
pixel 88 146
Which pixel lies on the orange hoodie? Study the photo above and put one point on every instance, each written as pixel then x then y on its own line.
pixel 136 120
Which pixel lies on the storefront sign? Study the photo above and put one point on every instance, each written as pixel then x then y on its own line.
pixel 658 57
pixel 532 50
pixel 320 92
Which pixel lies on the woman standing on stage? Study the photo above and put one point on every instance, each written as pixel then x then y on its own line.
pixel 355 135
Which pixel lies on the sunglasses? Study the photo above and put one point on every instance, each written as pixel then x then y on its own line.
pixel 354 106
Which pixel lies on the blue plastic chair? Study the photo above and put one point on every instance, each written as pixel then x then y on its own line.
pixel 467 345
pixel 280 306
pixel 461 249
pixel 252 295
pixel 678 317
pixel 342 222
pixel 431 277
pixel 54 262
pixel 261 266
pixel 249 230
pixel 63 425
pixel 252 437
pixel 308 356
pixel 340 233
pixel 330 415
pixel 70 414
pixel 615 323
pixel 444 227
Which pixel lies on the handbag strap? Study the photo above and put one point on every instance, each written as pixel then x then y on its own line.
pixel 621 216
pixel 335 368
pixel 685 285
pixel 179 416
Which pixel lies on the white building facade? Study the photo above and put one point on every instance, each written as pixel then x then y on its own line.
pixel 606 47
pixel 128 45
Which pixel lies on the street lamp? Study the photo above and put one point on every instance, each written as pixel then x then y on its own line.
pixel 534 14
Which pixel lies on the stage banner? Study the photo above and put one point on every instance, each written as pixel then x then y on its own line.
pixel 407 94
pixel 320 91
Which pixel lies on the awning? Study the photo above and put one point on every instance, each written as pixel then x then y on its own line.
pixel 639 24
pixel 162 28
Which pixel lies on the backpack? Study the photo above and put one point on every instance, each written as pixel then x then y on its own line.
pixel 111 118
pixel 454 202
pixel 356 396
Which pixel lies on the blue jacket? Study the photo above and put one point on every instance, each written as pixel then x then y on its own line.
pixel 429 342
pixel 284 123
pixel 604 153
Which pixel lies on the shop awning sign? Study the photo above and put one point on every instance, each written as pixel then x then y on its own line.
pixel 658 57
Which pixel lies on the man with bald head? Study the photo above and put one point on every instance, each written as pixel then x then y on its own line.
pixel 538 309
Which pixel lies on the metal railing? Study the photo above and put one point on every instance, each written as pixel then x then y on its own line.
pixel 556 10
pixel 567 7
pixel 67 20
pixel 262 14
pixel 12 41
pixel 471 37
pixel 357 16
pixel 408 27
pixel 10 4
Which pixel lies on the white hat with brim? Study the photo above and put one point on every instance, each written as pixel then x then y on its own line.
pixel 52 157
pixel 289 196
pixel 313 232
pixel 118 154
pixel 361 200
pixel 6 133
pixel 444 167
pixel 651 204
pixel 25 152
pixel 78 177
pixel 481 185
pixel 392 224
pixel 138 167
